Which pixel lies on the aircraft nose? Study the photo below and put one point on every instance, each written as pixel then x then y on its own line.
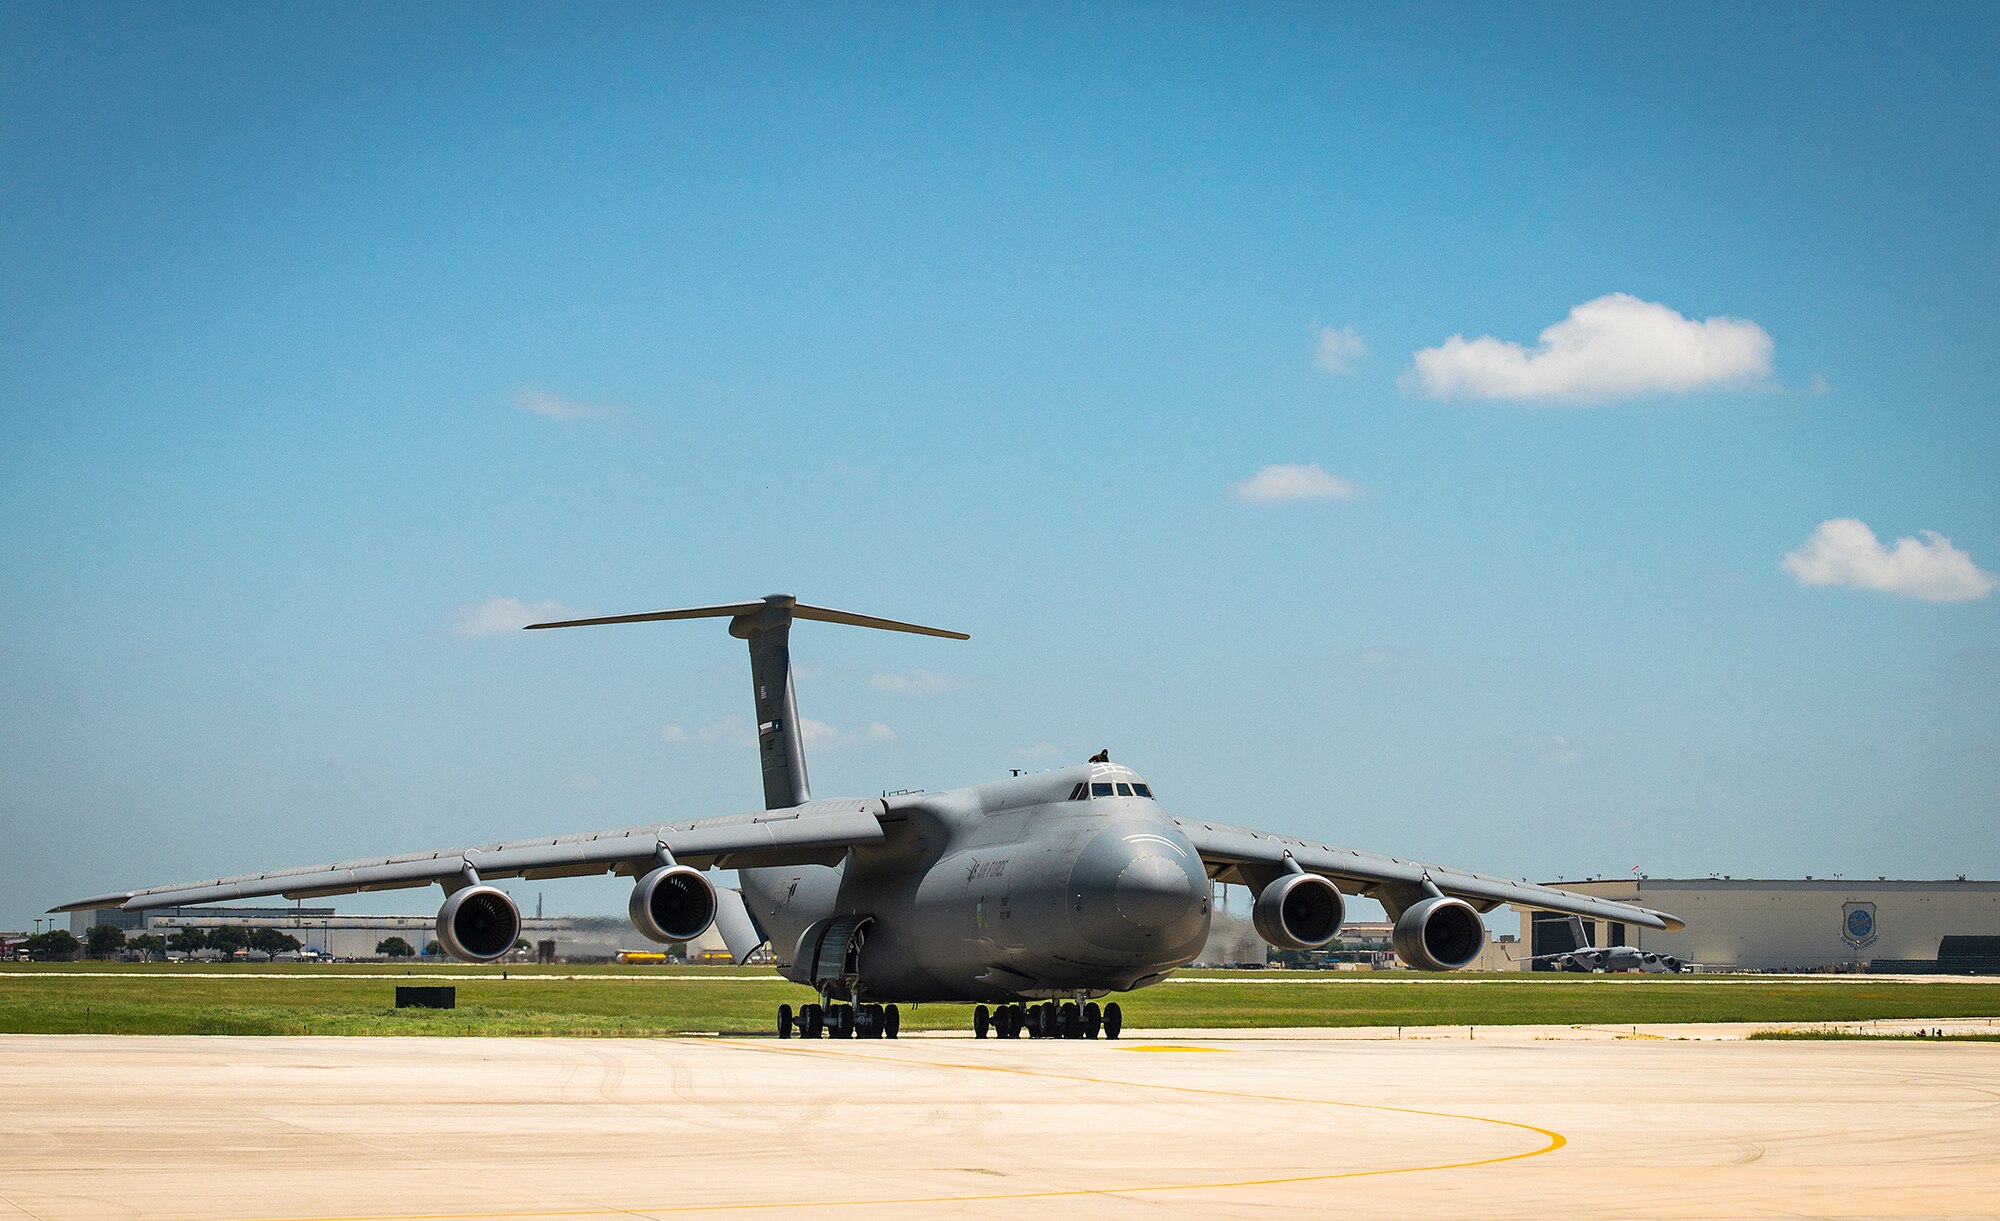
pixel 1139 891
pixel 1152 892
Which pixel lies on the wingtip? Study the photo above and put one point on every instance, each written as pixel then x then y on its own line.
pixel 95 902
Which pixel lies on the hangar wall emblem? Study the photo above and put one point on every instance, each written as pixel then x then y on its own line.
pixel 1857 924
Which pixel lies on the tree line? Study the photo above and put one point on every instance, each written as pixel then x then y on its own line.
pixel 104 941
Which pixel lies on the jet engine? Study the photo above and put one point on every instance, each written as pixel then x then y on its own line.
pixel 1672 964
pixel 1300 911
pixel 673 903
pixel 478 924
pixel 1439 934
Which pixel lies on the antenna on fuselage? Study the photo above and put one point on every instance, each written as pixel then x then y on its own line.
pixel 767 627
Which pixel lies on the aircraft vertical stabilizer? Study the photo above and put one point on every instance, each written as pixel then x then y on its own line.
pixel 766 627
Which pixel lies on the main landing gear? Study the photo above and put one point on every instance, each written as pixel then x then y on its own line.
pixel 840 1021
pixel 1049 1020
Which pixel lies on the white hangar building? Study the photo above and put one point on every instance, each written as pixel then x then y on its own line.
pixel 1805 924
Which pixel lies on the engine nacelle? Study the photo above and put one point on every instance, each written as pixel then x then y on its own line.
pixel 1300 911
pixel 478 924
pixel 1439 934
pixel 673 903
pixel 1672 964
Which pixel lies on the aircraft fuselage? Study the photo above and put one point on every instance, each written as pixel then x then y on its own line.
pixel 1002 891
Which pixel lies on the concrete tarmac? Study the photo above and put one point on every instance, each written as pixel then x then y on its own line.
pixel 1500 1126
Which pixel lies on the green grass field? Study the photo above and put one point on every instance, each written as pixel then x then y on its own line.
pixel 627 1001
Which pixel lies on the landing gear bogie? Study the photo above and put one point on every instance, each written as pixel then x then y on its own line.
pixel 1049 1020
pixel 840 1021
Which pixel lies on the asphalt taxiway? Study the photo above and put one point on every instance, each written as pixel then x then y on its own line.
pixel 1508 1124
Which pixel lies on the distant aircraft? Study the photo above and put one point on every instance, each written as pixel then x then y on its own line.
pixel 1587 957
pixel 1035 895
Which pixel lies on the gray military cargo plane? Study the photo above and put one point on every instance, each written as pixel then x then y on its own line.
pixel 1029 897
pixel 1587 957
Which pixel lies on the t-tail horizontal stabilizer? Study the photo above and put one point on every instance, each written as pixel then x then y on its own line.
pixel 767 626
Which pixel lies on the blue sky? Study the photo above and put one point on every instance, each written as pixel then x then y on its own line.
pixel 326 325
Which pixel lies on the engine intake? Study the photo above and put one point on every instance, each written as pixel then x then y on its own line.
pixel 478 924
pixel 1439 934
pixel 1300 911
pixel 673 903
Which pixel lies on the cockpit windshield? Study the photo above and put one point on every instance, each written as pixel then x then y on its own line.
pixel 1110 788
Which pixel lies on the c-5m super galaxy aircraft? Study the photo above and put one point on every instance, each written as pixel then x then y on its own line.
pixel 1034 895
pixel 1610 958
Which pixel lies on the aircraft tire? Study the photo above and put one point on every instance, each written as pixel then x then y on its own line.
pixel 1114 1020
pixel 1093 1020
pixel 981 1020
pixel 892 1022
pixel 1071 1024
pixel 784 1021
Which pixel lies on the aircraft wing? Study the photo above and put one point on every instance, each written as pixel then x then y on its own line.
pixel 818 832
pixel 1253 858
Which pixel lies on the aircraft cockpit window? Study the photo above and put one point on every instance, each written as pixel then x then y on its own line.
pixel 1080 792
pixel 1143 791
pixel 1124 790
pixel 1100 789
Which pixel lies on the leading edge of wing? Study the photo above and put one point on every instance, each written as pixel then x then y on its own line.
pixel 1241 845
pixel 765 837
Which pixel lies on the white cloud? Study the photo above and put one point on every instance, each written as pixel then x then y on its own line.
pixel 1339 349
pixel 1282 482
pixel 499 615
pixel 1040 750
pixel 917 682
pixel 819 733
pixel 729 731
pixel 1614 347
pixel 536 401
pixel 1817 385
pixel 1552 748
pixel 1844 551
pixel 582 781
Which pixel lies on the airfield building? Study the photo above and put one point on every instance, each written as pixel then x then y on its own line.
pixel 1806 924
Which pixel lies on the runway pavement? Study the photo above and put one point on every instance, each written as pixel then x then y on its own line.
pixel 1507 1124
